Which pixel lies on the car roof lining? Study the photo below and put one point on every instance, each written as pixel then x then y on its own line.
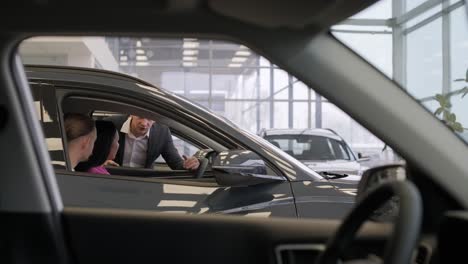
pixel 289 14
pixel 82 104
pixel 274 14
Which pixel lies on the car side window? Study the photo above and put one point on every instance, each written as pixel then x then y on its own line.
pixel 184 147
pixel 46 106
pixel 339 150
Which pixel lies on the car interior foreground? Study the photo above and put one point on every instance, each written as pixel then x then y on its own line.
pixel 41 224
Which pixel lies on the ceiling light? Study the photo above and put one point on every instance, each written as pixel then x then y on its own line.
pixel 141 58
pixel 191 45
pixel 189 64
pixel 142 63
pixel 239 59
pixel 122 52
pixel 124 64
pixel 190 39
pixel 190 52
pixel 123 58
pixel 234 65
pixel 190 58
pixel 140 51
pixel 242 47
pixel 138 43
pixel 243 53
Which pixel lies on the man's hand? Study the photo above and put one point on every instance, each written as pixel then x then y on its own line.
pixel 110 163
pixel 191 163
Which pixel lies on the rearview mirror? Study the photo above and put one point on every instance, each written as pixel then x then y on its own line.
pixel 376 176
pixel 241 168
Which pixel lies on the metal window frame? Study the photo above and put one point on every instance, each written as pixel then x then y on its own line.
pixel 415 12
pixel 372 32
pixel 445 11
pixel 398 45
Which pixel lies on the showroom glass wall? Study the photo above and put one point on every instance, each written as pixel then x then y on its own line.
pixel 225 77
pixel 428 40
pixel 238 84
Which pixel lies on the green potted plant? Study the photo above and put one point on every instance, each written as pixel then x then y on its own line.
pixel 444 111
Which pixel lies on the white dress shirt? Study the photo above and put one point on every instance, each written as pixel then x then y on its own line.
pixel 135 147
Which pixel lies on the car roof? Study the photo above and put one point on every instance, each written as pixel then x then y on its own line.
pixel 308 131
pixel 295 14
pixel 91 72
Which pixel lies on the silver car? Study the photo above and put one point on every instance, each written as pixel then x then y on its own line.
pixel 322 150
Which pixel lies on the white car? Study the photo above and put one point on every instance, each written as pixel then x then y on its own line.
pixel 322 150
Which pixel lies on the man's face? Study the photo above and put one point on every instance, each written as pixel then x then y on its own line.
pixel 140 126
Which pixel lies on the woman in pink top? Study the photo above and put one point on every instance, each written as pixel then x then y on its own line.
pixel 105 148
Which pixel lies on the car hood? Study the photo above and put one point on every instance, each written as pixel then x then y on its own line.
pixel 353 169
pixel 338 166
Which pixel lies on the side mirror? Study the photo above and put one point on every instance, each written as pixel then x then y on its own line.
pixel 241 168
pixel 362 157
pixel 205 154
pixel 378 175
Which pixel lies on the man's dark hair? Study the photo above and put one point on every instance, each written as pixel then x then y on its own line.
pixel 105 136
pixel 77 125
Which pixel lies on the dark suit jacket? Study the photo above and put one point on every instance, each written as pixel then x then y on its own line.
pixel 159 143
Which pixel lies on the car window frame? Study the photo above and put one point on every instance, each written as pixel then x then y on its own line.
pixel 174 132
pixel 95 80
pixel 62 94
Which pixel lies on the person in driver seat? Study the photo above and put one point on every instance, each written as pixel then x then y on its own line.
pixel 80 132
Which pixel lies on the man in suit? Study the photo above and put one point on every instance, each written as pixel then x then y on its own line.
pixel 142 141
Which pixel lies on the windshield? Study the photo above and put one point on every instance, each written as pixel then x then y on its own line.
pixel 422 46
pixel 308 147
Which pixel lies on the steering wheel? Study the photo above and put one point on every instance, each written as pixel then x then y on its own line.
pixel 400 246
pixel 201 168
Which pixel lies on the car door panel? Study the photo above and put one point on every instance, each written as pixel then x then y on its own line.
pixel 267 200
pixel 320 199
pixel 177 196
pixel 129 236
pixel 347 185
pixel 143 172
